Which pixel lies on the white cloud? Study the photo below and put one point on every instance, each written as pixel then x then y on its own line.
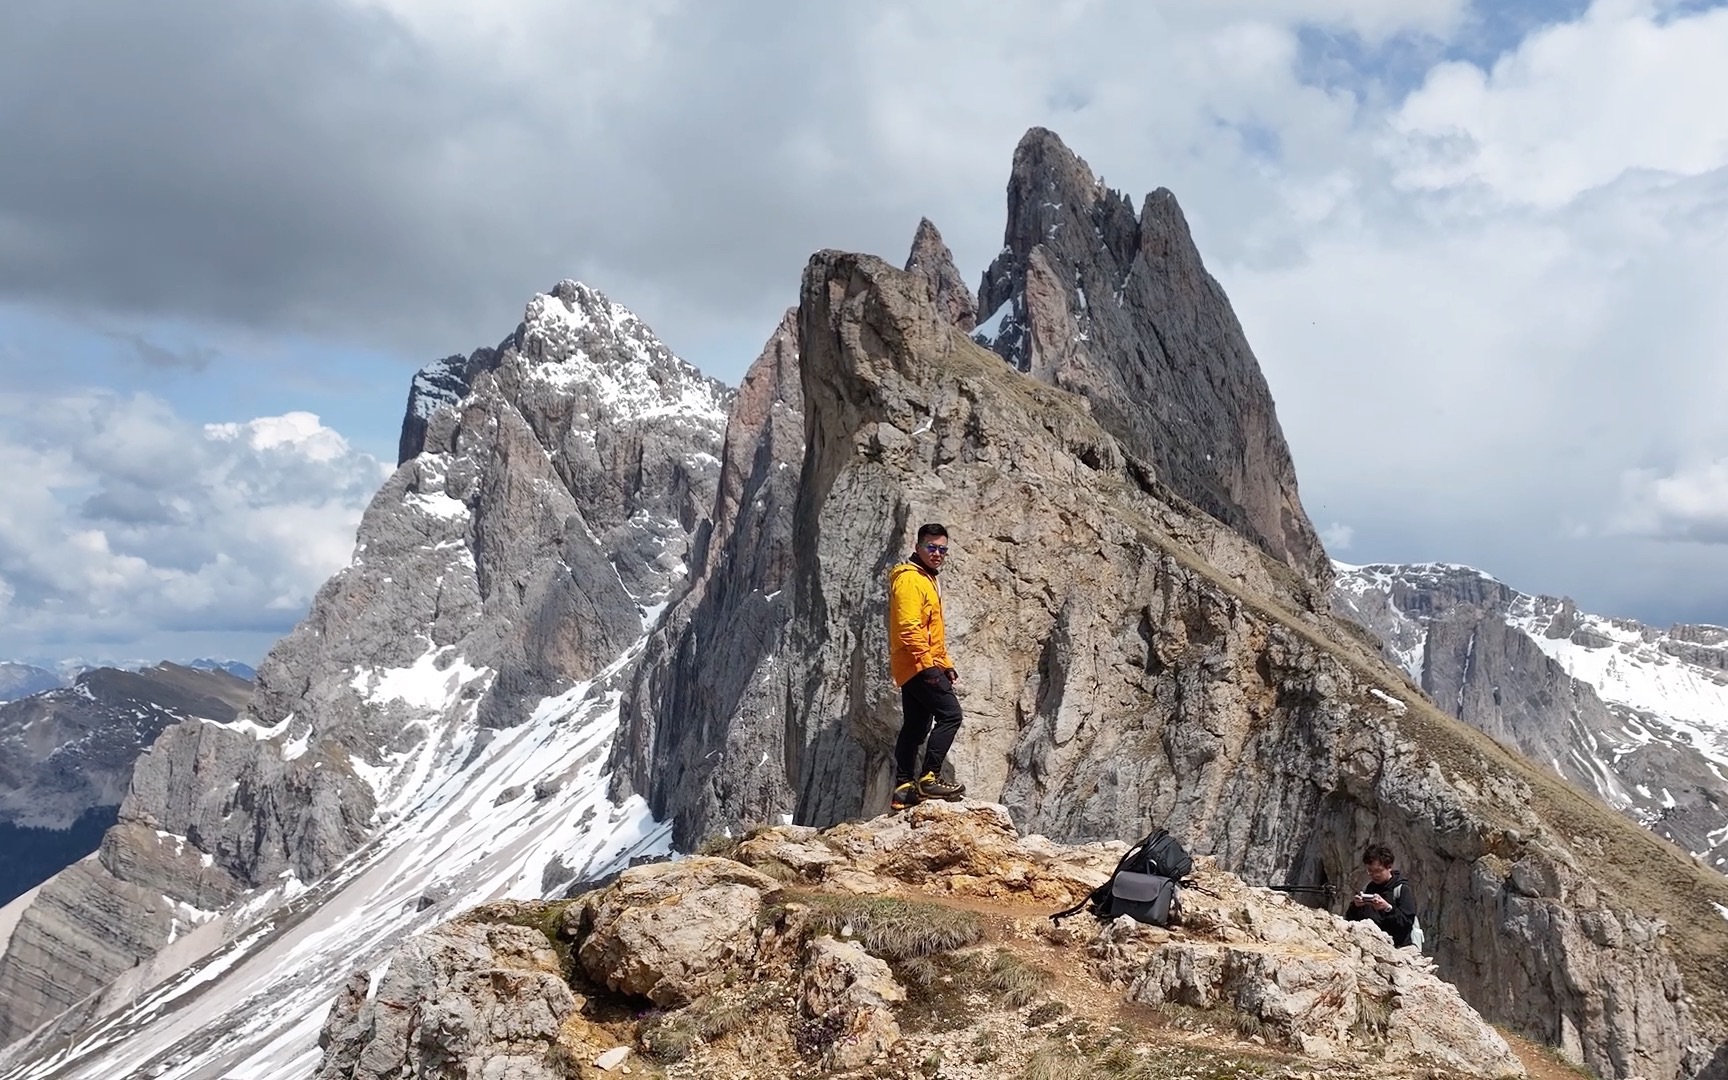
pixel 123 520
pixel 1337 537
pixel 1575 107
pixel 1686 504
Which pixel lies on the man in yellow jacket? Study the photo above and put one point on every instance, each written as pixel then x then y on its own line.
pixel 918 660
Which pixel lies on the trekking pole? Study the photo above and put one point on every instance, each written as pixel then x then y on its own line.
pixel 1330 892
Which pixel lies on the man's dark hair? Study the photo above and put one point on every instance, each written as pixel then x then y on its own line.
pixel 932 529
pixel 1377 853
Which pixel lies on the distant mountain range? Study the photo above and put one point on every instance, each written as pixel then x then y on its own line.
pixel 1638 714
pixel 21 678
pixel 67 755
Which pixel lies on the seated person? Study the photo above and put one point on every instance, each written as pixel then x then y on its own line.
pixel 1387 899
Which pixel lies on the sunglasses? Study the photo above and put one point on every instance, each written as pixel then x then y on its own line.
pixel 936 549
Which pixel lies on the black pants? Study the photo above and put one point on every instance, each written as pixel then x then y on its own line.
pixel 927 696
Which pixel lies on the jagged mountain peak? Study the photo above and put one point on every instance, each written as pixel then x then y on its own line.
pixel 1118 307
pixel 931 260
pixel 582 340
pixel 584 346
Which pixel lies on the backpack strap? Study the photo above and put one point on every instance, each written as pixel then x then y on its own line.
pixel 1057 918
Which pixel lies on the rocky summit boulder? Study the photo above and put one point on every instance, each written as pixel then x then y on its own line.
pixel 1117 307
pixel 904 945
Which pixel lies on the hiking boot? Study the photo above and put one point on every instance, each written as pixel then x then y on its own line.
pixel 931 786
pixel 905 795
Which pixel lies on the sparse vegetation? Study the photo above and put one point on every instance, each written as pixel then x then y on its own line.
pixel 1045 1013
pixel 1372 1016
pixel 894 929
pixel 1009 978
pixel 670 1037
pixel 1058 1061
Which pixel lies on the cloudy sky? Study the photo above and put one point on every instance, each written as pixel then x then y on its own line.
pixel 1480 248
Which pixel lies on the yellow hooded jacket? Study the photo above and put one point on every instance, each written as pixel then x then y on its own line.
pixel 916 639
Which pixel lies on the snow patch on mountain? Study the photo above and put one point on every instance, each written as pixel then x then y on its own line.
pixel 588 343
pixel 475 815
pixel 1657 747
pixel 1634 665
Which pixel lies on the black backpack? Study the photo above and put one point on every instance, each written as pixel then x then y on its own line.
pixel 1143 885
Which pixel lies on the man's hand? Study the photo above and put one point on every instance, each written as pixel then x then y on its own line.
pixel 953 676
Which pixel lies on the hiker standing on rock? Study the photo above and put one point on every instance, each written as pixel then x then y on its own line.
pixel 918 660
pixel 1386 899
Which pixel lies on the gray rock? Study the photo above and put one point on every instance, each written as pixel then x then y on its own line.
pixel 1127 662
pixel 931 260
pixel 1473 646
pixel 1118 308
pixel 66 751
pixel 702 734
pixel 66 758
pixel 465 1000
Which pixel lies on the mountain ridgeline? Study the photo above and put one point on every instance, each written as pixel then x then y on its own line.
pixel 1636 714
pixel 66 757
pixel 596 571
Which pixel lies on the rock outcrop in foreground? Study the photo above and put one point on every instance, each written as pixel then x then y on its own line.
pixel 899 946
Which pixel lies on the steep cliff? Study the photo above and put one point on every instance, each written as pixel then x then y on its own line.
pixel 1118 308
pixel 1127 660
pixel 703 729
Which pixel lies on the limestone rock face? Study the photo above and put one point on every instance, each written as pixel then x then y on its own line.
pixel 708 695
pixel 663 930
pixel 1125 662
pixel 66 757
pixel 854 992
pixel 1118 308
pixel 931 260
pixel 464 1000
pixel 547 511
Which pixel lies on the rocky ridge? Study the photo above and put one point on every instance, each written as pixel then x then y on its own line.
pixel 1634 713
pixel 909 944
pixel 66 757
pixel 544 519
pixel 1118 307
pixel 1126 659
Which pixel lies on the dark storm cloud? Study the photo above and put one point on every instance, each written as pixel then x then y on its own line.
pixel 252 163
pixel 193 358
pixel 318 167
